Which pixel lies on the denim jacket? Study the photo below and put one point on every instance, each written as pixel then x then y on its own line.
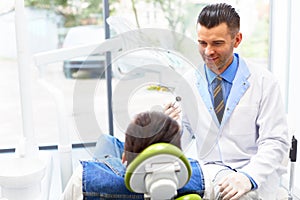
pixel 104 179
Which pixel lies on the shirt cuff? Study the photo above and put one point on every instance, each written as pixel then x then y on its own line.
pixel 253 183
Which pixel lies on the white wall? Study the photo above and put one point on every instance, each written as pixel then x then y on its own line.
pixel 279 44
pixel 294 91
pixel 285 40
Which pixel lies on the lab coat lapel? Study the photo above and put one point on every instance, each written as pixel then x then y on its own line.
pixel 210 128
pixel 202 86
pixel 239 87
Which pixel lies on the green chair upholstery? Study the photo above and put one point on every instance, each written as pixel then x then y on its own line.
pixel 189 197
pixel 160 167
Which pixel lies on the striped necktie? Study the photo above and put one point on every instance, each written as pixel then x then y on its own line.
pixel 218 98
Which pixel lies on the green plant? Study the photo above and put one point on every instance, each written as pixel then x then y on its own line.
pixel 75 12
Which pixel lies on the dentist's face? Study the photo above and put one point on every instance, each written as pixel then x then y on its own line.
pixel 216 46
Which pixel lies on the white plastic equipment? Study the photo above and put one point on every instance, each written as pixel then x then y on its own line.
pixel 21 176
pixel 158 172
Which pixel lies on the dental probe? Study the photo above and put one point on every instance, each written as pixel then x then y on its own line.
pixel 177 99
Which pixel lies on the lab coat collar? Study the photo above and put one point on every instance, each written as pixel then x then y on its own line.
pixel 239 86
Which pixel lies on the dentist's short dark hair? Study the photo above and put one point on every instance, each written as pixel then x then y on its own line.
pixel 215 14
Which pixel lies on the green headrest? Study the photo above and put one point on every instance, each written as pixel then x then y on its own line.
pixel 153 150
pixel 189 197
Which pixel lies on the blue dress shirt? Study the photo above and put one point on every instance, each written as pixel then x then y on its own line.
pixel 228 76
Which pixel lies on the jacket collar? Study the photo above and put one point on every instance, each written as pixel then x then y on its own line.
pixel 240 85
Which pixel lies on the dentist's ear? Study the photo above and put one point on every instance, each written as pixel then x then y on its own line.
pixel 238 39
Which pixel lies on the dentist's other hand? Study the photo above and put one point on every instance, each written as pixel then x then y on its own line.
pixel 234 185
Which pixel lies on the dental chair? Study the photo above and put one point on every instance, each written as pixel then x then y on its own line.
pixel 158 172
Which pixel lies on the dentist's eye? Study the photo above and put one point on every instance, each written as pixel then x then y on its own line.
pixel 219 43
pixel 202 44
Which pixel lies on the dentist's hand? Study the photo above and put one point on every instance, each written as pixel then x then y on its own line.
pixel 172 110
pixel 234 185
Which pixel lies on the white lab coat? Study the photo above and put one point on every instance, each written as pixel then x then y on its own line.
pixel 253 135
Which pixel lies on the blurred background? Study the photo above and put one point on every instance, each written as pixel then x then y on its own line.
pixel 270 39
pixel 54 24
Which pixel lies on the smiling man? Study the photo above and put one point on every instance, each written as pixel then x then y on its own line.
pixel 241 130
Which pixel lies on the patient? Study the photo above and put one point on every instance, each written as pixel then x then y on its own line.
pixel 104 177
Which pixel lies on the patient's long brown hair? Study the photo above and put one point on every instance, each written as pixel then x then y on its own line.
pixel 149 128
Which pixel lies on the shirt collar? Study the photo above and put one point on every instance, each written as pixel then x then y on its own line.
pixel 228 74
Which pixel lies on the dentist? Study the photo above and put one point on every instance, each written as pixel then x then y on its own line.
pixel 242 141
